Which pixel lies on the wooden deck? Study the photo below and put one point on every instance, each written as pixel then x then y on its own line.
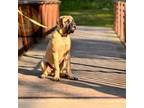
pixel 98 59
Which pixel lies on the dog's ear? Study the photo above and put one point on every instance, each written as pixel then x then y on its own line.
pixel 59 22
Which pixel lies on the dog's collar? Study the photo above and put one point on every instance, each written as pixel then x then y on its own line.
pixel 63 35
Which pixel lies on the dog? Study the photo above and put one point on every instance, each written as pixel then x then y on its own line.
pixel 56 61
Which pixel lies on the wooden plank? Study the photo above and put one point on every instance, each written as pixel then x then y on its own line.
pixel 43 16
pixel 118 33
pixel 31 26
pixel 124 5
pixel 122 37
pixel 20 43
pixel 50 16
pixel 58 13
pixel 54 6
pixel 105 54
pixel 24 34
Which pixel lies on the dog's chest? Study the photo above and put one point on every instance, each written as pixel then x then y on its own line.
pixel 65 44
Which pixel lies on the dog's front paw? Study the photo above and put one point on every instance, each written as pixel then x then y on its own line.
pixel 43 76
pixel 56 78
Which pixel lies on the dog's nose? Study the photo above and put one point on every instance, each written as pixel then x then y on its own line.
pixel 74 27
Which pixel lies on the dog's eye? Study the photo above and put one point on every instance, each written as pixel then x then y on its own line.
pixel 66 22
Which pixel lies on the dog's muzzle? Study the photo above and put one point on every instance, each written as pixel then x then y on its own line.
pixel 71 28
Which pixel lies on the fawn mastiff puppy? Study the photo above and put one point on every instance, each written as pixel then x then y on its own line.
pixel 57 58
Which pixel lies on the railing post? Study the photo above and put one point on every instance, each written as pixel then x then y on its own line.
pixel 24 34
pixel 50 12
pixel 120 19
pixel 29 26
pixel 124 22
pixel 119 10
pixel 122 37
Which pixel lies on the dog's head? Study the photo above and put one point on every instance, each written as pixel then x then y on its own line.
pixel 67 24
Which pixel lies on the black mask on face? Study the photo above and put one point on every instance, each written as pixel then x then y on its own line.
pixel 70 28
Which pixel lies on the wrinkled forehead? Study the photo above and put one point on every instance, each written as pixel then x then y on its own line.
pixel 66 18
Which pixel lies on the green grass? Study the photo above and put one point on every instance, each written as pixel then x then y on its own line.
pixel 86 4
pixel 89 12
pixel 91 18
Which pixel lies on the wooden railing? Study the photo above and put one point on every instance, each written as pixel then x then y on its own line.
pixel 120 20
pixel 46 13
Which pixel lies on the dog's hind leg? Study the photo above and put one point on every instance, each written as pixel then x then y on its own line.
pixel 42 66
pixel 45 70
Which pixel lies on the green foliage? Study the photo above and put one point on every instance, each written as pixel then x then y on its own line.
pixel 91 18
pixel 89 12
pixel 86 4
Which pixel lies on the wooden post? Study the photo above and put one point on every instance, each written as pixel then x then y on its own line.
pixel 53 15
pixel 47 17
pixel 43 15
pixel 118 33
pixel 114 16
pixel 124 5
pixel 30 25
pixel 24 34
pixel 40 13
pixel 20 40
pixel 55 12
pixel 50 13
pixel 122 23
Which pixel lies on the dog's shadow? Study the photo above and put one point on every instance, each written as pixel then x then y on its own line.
pixel 37 72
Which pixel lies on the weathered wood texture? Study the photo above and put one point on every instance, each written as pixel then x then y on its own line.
pixel 120 20
pixel 45 12
pixel 97 58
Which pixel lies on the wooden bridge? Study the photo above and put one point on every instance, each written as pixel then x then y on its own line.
pixel 98 59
